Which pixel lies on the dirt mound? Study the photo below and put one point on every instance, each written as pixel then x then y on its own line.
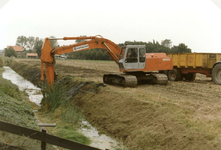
pixel 181 115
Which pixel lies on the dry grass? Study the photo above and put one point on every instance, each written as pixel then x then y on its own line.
pixel 181 115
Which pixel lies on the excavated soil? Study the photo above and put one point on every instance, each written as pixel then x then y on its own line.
pixel 181 115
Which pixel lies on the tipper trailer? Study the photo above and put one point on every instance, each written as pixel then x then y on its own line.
pixel 186 65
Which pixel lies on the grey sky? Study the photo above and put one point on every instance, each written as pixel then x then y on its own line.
pixel 197 23
pixel 217 3
pixel 3 2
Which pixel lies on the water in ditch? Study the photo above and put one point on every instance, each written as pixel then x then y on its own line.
pixel 99 141
pixel 33 92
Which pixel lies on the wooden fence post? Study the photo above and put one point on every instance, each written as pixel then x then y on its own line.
pixel 43 144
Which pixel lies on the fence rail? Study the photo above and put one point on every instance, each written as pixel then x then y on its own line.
pixel 44 137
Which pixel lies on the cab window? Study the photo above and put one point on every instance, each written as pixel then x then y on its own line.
pixel 132 55
pixel 142 54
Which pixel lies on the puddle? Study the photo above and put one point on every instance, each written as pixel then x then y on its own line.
pixel 99 141
pixel 102 141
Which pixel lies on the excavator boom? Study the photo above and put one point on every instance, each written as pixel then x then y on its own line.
pixel 47 54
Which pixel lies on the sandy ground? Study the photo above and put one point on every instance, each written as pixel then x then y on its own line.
pixel 181 115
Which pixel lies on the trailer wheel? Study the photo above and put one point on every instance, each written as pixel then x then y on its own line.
pixel 216 74
pixel 174 75
pixel 190 77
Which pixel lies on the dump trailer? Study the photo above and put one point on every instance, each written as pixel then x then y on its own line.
pixel 186 65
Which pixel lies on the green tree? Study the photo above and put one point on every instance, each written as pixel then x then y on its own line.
pixel 38 46
pixel 10 52
pixel 181 48
pixel 166 43
pixel 54 43
pixel 22 41
pixel 30 42
pixel 26 43
pixel 80 40
pixel 150 47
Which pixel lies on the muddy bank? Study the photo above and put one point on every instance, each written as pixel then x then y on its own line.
pixel 30 72
pixel 140 119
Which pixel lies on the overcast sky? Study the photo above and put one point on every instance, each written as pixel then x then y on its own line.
pixel 197 23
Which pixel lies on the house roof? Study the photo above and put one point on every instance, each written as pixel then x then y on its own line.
pixel 32 54
pixel 16 48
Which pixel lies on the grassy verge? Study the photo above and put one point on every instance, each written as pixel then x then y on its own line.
pixel 14 109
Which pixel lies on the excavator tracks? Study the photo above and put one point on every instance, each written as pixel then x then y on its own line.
pixel 131 80
pixel 120 79
pixel 160 79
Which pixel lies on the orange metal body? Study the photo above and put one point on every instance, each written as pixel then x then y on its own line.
pixel 154 61
pixel 158 61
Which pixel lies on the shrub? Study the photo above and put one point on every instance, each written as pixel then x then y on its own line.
pixel 53 97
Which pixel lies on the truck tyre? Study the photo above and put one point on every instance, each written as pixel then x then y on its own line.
pixel 216 74
pixel 190 77
pixel 174 75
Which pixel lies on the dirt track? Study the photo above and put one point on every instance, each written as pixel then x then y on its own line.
pixel 181 115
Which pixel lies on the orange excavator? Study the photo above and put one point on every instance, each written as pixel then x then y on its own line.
pixel 137 65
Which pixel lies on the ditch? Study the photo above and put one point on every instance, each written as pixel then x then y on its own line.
pixel 97 140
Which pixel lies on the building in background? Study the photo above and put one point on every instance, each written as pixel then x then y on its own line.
pixel 31 55
pixel 18 50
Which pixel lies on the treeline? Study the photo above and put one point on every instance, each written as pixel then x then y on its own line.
pixel 164 47
pixel 151 47
pixel 93 54
pixel 34 45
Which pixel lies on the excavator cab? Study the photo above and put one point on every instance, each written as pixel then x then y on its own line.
pixel 132 57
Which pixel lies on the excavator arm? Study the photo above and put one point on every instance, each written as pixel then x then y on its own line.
pixel 47 54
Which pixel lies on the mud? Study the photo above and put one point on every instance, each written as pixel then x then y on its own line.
pixel 181 115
